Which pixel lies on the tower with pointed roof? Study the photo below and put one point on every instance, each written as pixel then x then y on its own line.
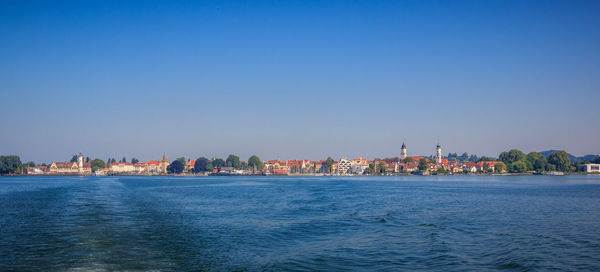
pixel 403 153
pixel 164 164
pixel 438 154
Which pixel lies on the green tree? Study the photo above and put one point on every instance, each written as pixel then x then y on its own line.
pixel 124 159
pixel 537 162
pixel 423 164
pixel 463 157
pixel 218 163
pixel 371 169
pixel 10 164
pixel 442 171
pixel 74 158
pixel 255 163
pixel 176 167
pixel 518 167
pixel 560 160
pixel 484 158
pixel 233 161
pixel 182 160
pixel 200 165
pixel 500 167
pixel 381 167
pixel 30 164
pixel 409 159
pixel 134 160
pixel 97 164
pixel 511 156
pixel 329 164
pixel 87 159
pixel 209 167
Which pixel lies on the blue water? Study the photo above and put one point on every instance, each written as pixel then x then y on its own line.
pixel 268 223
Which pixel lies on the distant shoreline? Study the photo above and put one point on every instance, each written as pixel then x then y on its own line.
pixel 309 175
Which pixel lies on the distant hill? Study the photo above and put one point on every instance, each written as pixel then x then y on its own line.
pixel 571 157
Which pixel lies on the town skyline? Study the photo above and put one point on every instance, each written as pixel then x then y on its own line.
pixel 402 152
pixel 514 161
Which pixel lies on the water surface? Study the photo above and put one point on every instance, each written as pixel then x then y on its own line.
pixel 458 223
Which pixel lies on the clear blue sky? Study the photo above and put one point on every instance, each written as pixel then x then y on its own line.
pixel 297 79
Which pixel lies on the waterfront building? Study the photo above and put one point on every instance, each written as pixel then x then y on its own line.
pixel 408 166
pixel 37 170
pixel 482 166
pixel 403 153
pixel 280 166
pixel 62 168
pixel 317 166
pixel 189 166
pixel 343 166
pixel 590 168
pixel 152 167
pixel 299 166
pixel 457 169
pixel 470 167
pixel 122 167
pixel 139 168
pixel 71 168
pixel 358 166
pixel 334 168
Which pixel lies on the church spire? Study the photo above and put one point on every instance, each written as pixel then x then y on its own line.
pixel 403 152
pixel 164 158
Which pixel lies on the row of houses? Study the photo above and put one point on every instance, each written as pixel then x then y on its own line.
pixel 80 167
pixel 360 165
pixel 70 168
pixel 152 167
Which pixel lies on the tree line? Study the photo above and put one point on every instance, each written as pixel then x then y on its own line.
pixel 203 164
pixel 10 165
pixel 518 162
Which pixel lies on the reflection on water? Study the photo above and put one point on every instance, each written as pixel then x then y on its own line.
pixel 270 223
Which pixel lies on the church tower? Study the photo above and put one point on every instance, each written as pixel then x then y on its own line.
pixel 164 164
pixel 438 154
pixel 403 153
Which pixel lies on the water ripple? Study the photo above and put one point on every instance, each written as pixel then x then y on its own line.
pixel 299 224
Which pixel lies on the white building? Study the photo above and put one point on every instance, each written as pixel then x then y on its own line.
pixel 438 154
pixel 591 168
pixel 358 167
pixel 343 166
pixel 80 163
pixel 122 167
pixel 34 171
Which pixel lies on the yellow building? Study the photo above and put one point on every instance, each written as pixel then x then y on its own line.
pixel 71 168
